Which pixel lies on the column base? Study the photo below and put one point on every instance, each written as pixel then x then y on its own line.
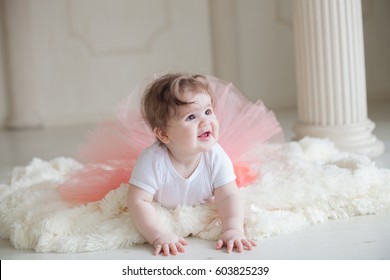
pixel 354 138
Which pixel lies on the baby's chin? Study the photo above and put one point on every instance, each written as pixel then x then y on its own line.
pixel 211 144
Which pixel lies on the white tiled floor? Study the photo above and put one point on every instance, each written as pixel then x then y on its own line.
pixel 364 237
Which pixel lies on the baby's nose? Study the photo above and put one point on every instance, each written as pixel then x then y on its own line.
pixel 204 122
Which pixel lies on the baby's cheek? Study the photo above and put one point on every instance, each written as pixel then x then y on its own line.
pixel 190 133
pixel 216 130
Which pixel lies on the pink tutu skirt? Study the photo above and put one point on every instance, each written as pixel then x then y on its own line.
pixel 249 133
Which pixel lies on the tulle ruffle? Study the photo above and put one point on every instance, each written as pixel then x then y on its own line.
pixel 249 133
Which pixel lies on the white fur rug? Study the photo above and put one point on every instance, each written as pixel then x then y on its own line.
pixel 314 183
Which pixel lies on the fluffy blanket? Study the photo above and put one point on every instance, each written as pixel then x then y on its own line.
pixel 313 183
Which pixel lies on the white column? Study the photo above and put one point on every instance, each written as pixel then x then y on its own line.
pixel 331 83
pixel 22 108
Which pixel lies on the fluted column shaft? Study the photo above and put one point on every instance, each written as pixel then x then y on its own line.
pixel 331 80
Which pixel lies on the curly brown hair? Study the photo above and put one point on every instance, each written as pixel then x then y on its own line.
pixel 163 95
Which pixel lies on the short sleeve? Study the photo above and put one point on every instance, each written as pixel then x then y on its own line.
pixel 146 170
pixel 222 167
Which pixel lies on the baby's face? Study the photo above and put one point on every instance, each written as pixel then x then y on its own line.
pixel 194 128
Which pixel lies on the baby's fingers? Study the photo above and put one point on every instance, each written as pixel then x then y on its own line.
pixel 239 246
pixel 248 243
pixel 230 246
pixel 182 241
pixel 157 250
pixel 173 249
pixel 169 249
pixel 180 247
pixel 166 249
pixel 219 244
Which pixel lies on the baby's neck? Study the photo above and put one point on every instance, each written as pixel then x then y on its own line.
pixel 185 166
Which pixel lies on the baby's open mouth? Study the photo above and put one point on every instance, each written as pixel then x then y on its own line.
pixel 205 134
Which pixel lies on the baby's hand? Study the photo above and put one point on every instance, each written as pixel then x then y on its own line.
pixel 234 238
pixel 169 243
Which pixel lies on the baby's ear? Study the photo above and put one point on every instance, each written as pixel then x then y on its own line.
pixel 161 135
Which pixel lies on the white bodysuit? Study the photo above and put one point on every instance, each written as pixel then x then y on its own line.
pixel 155 173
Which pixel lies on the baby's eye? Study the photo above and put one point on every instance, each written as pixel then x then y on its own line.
pixel 190 117
pixel 209 112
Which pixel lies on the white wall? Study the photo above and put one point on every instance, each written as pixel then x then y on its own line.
pixel 3 100
pixel 267 51
pixel 266 54
pixel 88 54
pixel 377 48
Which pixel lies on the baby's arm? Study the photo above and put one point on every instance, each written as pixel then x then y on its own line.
pixel 145 219
pixel 232 215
